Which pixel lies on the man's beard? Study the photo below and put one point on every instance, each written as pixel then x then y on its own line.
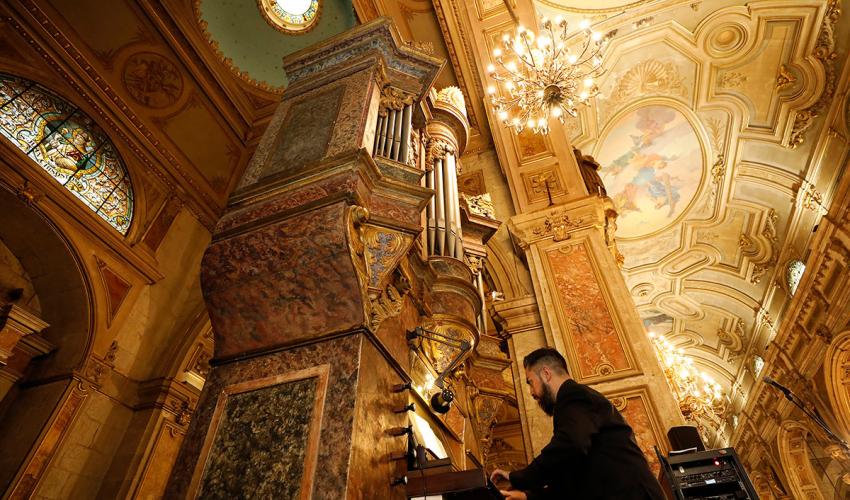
pixel 547 401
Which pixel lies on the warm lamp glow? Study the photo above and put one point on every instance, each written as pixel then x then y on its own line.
pixel 698 394
pixel 542 78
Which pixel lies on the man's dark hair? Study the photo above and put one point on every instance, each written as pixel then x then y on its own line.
pixel 546 356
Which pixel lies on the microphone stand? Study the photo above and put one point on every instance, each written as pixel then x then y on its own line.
pixel 799 403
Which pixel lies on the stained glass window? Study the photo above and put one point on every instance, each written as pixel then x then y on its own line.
pixel 291 16
pixel 793 274
pixel 69 146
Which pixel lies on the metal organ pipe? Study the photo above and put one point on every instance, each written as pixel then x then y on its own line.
pixel 406 122
pixel 392 133
pixel 397 137
pixel 440 214
pixel 456 245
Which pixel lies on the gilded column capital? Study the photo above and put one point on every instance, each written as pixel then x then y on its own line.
pixel 438 149
pixel 395 99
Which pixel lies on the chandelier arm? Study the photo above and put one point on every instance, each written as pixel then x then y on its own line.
pixel 585 61
pixel 532 64
pixel 579 60
pixel 511 72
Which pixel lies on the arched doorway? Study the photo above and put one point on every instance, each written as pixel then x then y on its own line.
pixel 47 391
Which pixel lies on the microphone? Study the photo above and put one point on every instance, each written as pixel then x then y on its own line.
pixel 779 386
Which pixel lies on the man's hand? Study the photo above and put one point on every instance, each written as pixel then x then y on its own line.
pixel 514 495
pixel 500 475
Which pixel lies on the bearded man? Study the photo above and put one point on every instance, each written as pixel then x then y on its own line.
pixel 592 454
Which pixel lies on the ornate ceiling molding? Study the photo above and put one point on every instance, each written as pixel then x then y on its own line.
pixel 228 62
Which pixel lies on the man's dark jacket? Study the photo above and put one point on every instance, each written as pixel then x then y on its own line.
pixel 592 454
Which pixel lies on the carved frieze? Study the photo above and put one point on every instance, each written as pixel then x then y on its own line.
pixel 557 225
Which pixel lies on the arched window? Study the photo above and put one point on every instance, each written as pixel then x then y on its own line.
pixel 69 146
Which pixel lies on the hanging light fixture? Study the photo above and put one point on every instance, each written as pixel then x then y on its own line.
pixel 696 391
pixel 546 76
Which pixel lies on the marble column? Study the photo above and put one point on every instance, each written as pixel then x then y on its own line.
pixel 299 280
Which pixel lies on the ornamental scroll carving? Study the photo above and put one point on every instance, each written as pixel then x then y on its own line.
pixel 438 149
pixel 557 225
pixel 377 252
pixel 384 248
pixel 395 99
pixel 452 96
pixel 825 53
pixel 480 205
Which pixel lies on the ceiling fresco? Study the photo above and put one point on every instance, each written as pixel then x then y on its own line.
pixel 707 148
pixel 653 167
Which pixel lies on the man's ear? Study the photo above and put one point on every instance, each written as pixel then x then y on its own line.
pixel 546 374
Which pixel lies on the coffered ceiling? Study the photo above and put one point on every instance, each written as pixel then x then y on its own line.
pixel 714 126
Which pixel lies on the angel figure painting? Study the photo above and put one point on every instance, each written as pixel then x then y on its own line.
pixel 652 164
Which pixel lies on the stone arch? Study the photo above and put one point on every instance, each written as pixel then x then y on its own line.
pixel 836 371
pixel 506 272
pixel 64 295
pixel 145 458
pixel 793 454
pixel 798 444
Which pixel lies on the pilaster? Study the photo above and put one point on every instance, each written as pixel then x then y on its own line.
pixel 587 314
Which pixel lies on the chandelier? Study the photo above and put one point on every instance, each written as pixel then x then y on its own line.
pixel 697 393
pixel 544 76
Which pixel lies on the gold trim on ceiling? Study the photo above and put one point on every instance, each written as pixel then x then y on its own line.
pixel 228 62
pixel 576 10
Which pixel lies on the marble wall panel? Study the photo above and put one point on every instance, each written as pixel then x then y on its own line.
pixel 260 448
pixel 592 334
pixel 325 122
pixel 348 134
pixel 281 283
pixel 337 418
pixel 306 132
